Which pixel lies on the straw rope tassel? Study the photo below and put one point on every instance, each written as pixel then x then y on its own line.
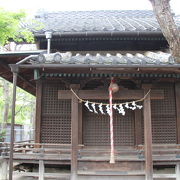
pixel 112 159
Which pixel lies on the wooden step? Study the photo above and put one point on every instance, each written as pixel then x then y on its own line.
pixel 64 176
pixel 112 173
pixel 169 176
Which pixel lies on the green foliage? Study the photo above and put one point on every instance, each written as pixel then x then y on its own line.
pixel 25 105
pixel 2 135
pixel 10 27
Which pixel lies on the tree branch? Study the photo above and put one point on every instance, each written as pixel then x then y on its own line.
pixel 168 27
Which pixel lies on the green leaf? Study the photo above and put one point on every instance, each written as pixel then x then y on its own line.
pixel 10 27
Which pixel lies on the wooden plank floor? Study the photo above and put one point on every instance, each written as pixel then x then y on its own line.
pixel 161 153
pixel 111 173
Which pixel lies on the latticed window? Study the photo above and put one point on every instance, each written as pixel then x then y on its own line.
pixel 164 116
pixel 56 116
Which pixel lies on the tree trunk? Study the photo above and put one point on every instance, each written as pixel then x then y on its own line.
pixel 168 27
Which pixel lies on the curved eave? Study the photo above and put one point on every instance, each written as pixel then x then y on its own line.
pixel 82 66
pixel 24 77
pixel 102 34
pixel 21 54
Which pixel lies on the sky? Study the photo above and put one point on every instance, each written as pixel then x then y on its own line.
pixel 32 6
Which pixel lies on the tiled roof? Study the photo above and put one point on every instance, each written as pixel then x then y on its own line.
pixel 149 58
pixel 98 21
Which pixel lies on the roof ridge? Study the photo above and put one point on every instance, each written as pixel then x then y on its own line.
pixel 113 10
pixel 150 13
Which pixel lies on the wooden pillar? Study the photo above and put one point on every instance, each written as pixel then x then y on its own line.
pixel 177 91
pixel 15 70
pixel 138 127
pixel 74 132
pixel 38 111
pixel 148 134
pixel 80 124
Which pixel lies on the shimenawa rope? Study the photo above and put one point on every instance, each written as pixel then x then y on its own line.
pixel 139 100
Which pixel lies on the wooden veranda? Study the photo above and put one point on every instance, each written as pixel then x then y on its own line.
pixel 93 161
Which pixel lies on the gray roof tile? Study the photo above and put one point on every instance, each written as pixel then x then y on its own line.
pixel 101 21
pixel 149 58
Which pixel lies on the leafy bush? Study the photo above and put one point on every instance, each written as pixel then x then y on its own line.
pixel 2 135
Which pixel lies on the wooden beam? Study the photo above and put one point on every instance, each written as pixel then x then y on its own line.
pixel 38 110
pixel 122 94
pixel 148 135
pixel 74 132
pixel 177 92
pixel 138 126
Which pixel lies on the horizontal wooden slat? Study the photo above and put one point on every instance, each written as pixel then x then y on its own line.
pixel 164 176
pixel 41 144
pixel 46 175
pixel 121 95
pixel 37 156
pixel 112 173
pixel 37 150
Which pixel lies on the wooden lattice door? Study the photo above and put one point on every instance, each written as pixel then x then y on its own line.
pixel 96 129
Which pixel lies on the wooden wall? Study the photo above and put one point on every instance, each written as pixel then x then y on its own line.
pixel 164 116
pixel 56 115
pixel 55 125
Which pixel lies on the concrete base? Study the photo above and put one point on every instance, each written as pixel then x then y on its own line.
pixel 74 176
pixel 178 171
pixel 3 169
